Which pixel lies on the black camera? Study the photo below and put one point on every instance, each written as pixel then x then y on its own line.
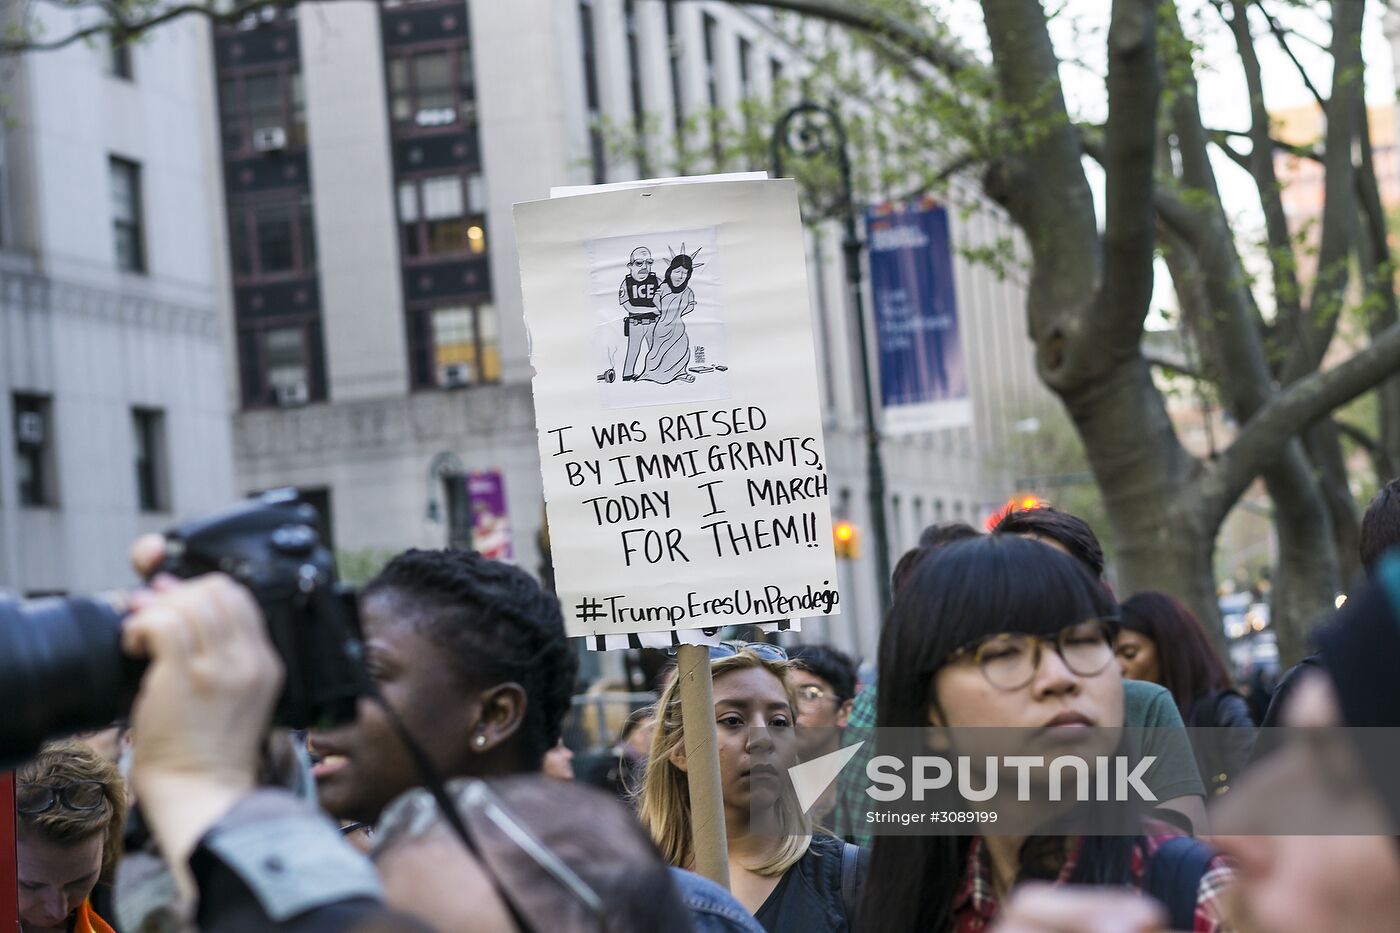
pixel 61 665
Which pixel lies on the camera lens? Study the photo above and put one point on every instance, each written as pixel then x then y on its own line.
pixel 61 671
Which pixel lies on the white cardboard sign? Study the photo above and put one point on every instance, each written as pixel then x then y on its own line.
pixel 677 405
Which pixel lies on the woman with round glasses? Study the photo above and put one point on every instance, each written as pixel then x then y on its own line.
pixel 70 807
pixel 1008 633
pixel 790 880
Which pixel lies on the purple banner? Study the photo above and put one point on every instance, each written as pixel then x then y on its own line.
pixel 486 495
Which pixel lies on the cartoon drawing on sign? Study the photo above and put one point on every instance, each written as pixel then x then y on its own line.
pixel 664 323
pixel 670 347
pixel 637 295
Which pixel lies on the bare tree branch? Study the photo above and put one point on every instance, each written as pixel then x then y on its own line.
pixel 1281 37
pixel 1373 252
pixel 1228 327
pixel 1380 457
pixel 1289 412
pixel 1130 144
pixel 1243 159
pixel 1174 366
pixel 1339 207
pixel 871 18
pixel 948 171
pixel 123 29
pixel 1047 192
pixel 1287 293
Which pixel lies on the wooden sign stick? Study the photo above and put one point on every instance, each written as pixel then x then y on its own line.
pixel 709 842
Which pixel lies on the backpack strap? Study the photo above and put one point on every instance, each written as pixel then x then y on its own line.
pixel 853 862
pixel 1173 876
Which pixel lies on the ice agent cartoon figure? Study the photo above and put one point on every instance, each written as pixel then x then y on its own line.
pixel 637 295
pixel 670 347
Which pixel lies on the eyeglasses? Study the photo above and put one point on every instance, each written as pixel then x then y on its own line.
pixel 1009 661
pixel 40 798
pixel 811 694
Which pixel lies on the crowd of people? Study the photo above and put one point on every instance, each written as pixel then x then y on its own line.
pixel 450 801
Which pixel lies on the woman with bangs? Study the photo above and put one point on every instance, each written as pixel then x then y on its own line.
pixel 1009 633
pixel 790 881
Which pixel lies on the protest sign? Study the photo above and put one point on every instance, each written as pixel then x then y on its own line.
pixel 677 406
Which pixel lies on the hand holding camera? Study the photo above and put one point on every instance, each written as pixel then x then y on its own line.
pixel 203 705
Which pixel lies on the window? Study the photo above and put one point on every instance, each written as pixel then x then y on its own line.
pixel 432 88
pixel 148 441
pixel 465 346
pixel 269 237
pixel 282 364
pixel 119 58
pixel 298 121
pixel 745 68
pixel 747 104
pixel 285 353
pixel 262 101
pixel 126 214
pixel 634 75
pixel 230 115
pixel 712 86
pixel 256 105
pixel 597 153
pixel 273 231
pixel 775 75
pixel 34 450
pixel 432 77
pixel 673 54
pixel 442 215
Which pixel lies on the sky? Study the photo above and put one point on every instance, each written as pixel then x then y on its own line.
pixel 1078 30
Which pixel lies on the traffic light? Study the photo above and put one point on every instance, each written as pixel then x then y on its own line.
pixel 847 540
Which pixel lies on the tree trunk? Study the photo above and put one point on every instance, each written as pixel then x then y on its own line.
pixel 1324 446
pixel 1389 403
pixel 1147 479
pixel 1305 576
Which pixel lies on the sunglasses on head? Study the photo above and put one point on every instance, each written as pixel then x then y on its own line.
pixel 31 799
pixel 728 649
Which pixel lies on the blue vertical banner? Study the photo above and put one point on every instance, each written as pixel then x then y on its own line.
pixel 923 376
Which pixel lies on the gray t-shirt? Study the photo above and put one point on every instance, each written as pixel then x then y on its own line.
pixel 1150 707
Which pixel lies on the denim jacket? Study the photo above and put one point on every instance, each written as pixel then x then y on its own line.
pixel 712 908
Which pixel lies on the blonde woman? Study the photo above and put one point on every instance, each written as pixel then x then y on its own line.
pixel 70 808
pixel 795 881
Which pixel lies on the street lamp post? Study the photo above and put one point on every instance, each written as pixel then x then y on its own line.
pixel 812 130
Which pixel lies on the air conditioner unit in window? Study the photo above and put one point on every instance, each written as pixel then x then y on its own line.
pixel 29 427
pixel 269 139
pixel 454 375
pixel 292 394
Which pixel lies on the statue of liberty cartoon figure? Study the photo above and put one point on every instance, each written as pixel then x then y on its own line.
pixel 669 354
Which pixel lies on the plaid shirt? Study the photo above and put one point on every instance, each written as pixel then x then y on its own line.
pixel 975 906
pixel 851 801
